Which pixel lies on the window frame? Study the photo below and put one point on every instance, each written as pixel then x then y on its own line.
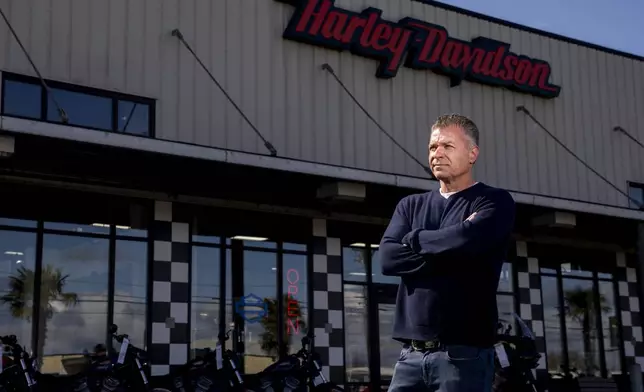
pixel 113 238
pixel 237 247
pixel 595 279
pixel 113 96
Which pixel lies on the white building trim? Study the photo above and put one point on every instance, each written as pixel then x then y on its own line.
pixel 38 128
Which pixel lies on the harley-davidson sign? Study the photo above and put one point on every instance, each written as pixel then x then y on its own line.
pixel 417 45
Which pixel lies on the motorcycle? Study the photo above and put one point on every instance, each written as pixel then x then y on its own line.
pixel 515 358
pixel 294 373
pixel 216 370
pixel 129 371
pixel 19 373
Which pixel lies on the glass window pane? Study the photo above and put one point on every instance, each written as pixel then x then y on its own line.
pixel 610 327
pixel 636 192
pixel 295 287
pixel 22 99
pixel 17 222
pixel 17 263
pixel 554 345
pixel 73 308
pixel 260 280
pixel 92 228
pixel 257 242
pixel 294 246
pixel 206 269
pixel 389 348
pixel 581 327
pixel 505 280
pixel 130 291
pixel 83 110
pixel 134 118
pixel 355 333
pixel 573 268
pixel 376 271
pixel 505 306
pixel 131 219
pixel 353 262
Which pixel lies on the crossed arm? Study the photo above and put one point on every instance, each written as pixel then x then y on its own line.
pixel 404 251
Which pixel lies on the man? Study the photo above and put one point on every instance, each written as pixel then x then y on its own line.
pixel 448 247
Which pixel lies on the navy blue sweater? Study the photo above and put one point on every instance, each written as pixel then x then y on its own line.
pixel 449 266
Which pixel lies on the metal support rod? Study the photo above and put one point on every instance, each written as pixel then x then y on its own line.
pixel 330 70
pixel 63 116
pixel 606 180
pixel 267 144
pixel 628 135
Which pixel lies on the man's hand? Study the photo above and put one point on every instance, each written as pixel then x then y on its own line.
pixel 469 218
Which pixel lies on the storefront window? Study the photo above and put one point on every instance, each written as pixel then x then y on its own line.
pixel 17 265
pixel 581 297
pixel 610 327
pixel 356 332
pixel 505 280
pixel 389 348
pixel 130 289
pixel 73 298
pixel 552 324
pixel 205 320
pixel 261 343
pixel 294 290
pixel 581 326
pixel 60 305
pixel 265 284
pixel 354 263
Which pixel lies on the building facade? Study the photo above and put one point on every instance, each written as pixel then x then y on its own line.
pixel 181 160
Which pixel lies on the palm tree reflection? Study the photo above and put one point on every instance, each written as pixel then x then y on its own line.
pixel 20 298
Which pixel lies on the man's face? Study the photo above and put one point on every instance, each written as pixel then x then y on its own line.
pixel 451 153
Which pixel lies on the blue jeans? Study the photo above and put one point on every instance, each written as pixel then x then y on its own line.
pixel 454 369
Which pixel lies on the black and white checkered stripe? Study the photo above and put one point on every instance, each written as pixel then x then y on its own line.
pixel 169 311
pixel 629 302
pixel 328 301
pixel 530 303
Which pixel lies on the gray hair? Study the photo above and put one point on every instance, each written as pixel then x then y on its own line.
pixel 467 125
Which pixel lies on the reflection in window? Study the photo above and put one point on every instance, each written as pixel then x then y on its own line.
pixel 581 326
pixel 295 286
pixel 636 194
pixel 22 99
pixel 74 288
pixel 206 270
pixel 354 264
pixel 83 110
pixel 17 265
pixel 389 348
pixel 260 280
pixel 505 280
pixel 355 333
pixel 17 222
pixel 93 228
pixel 130 289
pixel 133 118
pixel 610 327
pixel 505 306
pixel 552 324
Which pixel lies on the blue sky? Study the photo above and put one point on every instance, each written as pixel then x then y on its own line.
pixel 615 24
